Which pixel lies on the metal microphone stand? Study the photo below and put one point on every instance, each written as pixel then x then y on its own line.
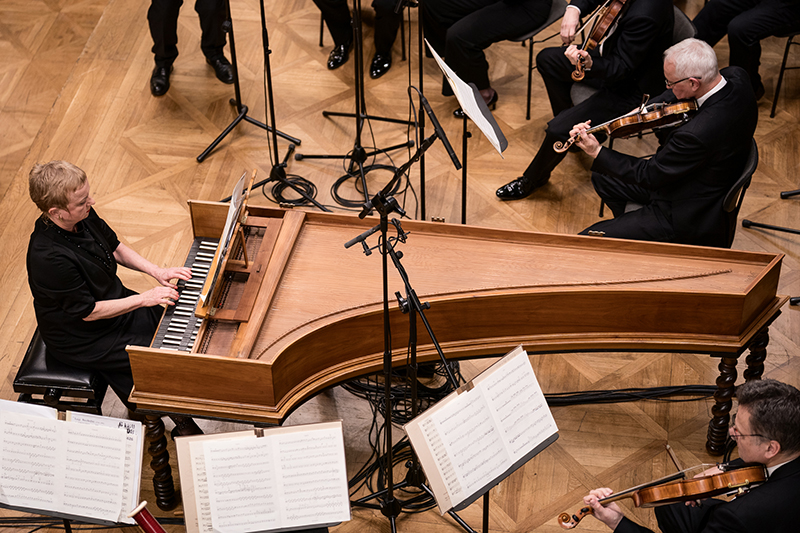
pixel 227 27
pixel 358 155
pixel 278 172
pixel 389 505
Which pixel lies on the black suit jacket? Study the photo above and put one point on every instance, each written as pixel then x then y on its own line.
pixel 767 508
pixel 697 163
pixel 633 51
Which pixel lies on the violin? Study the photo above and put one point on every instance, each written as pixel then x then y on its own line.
pixel 667 490
pixel 604 18
pixel 660 115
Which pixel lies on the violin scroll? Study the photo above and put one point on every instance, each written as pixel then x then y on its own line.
pixel 561 147
pixel 568 521
pixel 578 74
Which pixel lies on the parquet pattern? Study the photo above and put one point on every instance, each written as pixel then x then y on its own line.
pixel 74 85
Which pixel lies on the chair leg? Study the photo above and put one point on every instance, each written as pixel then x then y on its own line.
pixel 530 77
pixel 403 36
pixel 780 77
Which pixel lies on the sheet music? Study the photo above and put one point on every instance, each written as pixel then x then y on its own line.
pixel 480 434
pixel 134 448
pixel 313 479
pixel 29 461
pixel 461 424
pixel 469 104
pixel 94 464
pixel 57 466
pixel 518 405
pixel 234 208
pixel 200 480
pixel 241 485
pixel 289 478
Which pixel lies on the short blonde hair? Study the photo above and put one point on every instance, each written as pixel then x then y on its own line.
pixel 51 184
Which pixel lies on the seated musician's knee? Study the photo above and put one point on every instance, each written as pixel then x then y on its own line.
pixel 742 30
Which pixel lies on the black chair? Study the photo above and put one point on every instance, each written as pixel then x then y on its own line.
pixel 43 380
pixel 733 200
pixel 557 10
pixel 789 42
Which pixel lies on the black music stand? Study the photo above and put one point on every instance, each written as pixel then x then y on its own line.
pixel 795 300
pixel 358 155
pixel 227 27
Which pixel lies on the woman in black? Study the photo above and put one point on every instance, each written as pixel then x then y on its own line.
pixel 86 315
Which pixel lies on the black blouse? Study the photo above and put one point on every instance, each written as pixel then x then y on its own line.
pixel 68 272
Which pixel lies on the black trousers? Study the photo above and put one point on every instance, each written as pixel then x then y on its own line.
pixel 606 104
pixel 746 22
pixel 114 365
pixel 336 15
pixel 651 222
pixel 679 518
pixel 460 30
pixel 163 19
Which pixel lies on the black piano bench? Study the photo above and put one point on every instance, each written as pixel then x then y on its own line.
pixel 43 380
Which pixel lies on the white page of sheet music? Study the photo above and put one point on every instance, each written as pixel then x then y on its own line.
pixel 474 436
pixel 312 477
pixel 133 457
pixel 29 461
pixel 241 485
pixel 518 405
pixel 285 479
pixel 94 470
pixel 473 442
pixel 200 483
pixel 68 468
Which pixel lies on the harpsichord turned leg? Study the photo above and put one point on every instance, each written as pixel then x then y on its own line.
pixel 758 353
pixel 163 484
pixel 718 426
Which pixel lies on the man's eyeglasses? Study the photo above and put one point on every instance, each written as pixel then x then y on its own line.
pixel 671 84
pixel 735 435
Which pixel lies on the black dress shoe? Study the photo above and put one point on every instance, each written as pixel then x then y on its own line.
pixel 159 81
pixel 222 68
pixel 519 188
pixel 339 55
pixel 491 104
pixel 380 65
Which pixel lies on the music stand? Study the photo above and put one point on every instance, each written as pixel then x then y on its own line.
pixel 358 155
pixel 475 108
pixel 227 27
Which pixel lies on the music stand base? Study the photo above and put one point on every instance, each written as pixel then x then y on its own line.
pixel 242 116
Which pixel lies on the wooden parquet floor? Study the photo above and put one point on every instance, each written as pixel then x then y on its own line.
pixel 74 85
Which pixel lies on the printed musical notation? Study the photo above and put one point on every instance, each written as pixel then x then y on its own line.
pixel 73 467
pixel 239 482
pixel 475 437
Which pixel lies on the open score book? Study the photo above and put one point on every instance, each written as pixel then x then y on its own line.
pixel 481 433
pixel 86 467
pixel 274 479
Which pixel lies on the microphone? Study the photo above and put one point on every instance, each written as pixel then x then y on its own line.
pixel 362 237
pixel 439 131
